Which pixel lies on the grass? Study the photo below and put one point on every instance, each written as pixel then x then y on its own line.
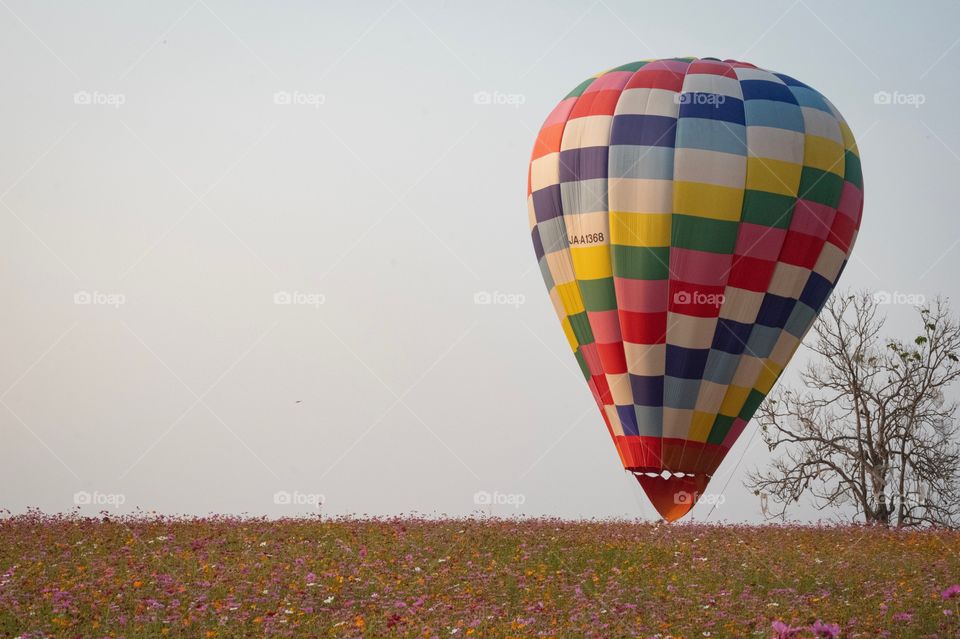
pixel 70 576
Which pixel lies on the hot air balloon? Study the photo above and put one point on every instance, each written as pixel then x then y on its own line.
pixel 690 218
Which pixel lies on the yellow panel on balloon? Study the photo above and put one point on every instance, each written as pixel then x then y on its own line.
pixel 570 294
pixel 768 376
pixel 640 229
pixel 700 426
pixel 823 154
pixel 707 200
pixel 591 262
pixel 773 176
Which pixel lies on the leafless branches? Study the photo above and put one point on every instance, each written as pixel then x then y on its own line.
pixel 872 428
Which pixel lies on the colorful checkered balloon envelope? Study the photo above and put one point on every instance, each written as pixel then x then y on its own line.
pixel 690 217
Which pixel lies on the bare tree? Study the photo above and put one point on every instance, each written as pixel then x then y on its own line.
pixel 873 427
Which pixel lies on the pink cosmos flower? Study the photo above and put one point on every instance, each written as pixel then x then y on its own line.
pixel 784 631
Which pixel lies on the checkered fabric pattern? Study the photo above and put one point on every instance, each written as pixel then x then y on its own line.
pixel 690 218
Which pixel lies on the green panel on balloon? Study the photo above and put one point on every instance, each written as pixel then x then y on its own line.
pixel 822 187
pixel 598 295
pixel 640 262
pixel 581 328
pixel 767 209
pixel 704 234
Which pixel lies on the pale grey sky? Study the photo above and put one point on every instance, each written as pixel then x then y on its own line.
pixel 170 168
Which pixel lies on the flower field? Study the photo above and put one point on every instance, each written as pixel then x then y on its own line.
pixel 69 576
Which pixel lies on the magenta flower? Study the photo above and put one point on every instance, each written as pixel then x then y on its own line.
pixel 951 592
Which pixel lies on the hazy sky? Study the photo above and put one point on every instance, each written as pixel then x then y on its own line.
pixel 173 170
